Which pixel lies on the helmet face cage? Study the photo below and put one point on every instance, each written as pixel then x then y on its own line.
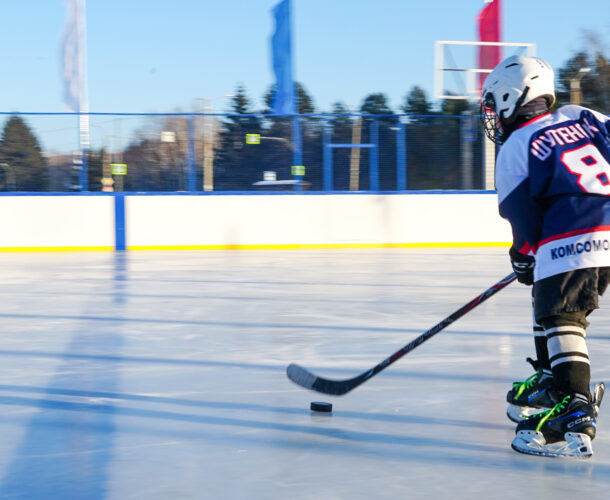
pixel 490 121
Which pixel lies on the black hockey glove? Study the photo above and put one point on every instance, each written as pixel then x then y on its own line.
pixel 523 266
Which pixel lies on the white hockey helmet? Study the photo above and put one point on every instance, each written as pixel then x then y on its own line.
pixel 512 84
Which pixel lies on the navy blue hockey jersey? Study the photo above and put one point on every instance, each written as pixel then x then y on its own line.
pixel 553 183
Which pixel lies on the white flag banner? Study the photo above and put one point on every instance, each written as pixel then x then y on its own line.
pixel 73 47
pixel 74 64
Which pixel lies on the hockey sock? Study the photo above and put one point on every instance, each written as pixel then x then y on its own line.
pixel 542 351
pixel 540 342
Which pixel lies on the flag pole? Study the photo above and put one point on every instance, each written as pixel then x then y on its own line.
pixel 285 99
pixel 297 139
pixel 84 134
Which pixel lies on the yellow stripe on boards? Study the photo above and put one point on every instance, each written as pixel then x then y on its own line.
pixel 296 246
pixel 320 246
pixel 56 249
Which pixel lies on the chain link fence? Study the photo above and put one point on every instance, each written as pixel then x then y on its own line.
pixel 219 153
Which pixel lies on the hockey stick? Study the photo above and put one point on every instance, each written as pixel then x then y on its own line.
pixel 308 380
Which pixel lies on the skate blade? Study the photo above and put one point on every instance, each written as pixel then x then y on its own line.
pixel 533 443
pixel 519 413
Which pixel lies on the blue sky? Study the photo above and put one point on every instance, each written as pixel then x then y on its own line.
pixel 159 55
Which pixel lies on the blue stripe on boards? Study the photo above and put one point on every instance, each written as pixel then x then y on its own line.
pixel 119 221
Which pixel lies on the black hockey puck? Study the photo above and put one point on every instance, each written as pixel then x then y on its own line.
pixel 321 406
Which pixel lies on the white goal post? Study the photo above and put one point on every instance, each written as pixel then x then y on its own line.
pixel 459 59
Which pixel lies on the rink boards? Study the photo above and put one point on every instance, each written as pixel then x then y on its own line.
pixel 144 221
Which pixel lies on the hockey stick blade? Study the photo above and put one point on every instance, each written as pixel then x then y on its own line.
pixel 308 380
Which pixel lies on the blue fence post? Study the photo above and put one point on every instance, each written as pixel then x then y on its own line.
pixel 401 156
pixel 191 162
pixel 374 157
pixel 327 159
pixel 297 151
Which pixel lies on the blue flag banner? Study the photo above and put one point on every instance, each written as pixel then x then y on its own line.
pixel 284 99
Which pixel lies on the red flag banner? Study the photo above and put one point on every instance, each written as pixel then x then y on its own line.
pixel 489 26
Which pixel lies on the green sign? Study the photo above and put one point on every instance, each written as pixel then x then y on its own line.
pixel 253 138
pixel 298 170
pixel 118 168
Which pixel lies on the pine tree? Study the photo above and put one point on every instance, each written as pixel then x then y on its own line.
pixel 376 104
pixel 20 151
pixel 416 102
pixel 237 164
pixel 595 84
pixel 304 100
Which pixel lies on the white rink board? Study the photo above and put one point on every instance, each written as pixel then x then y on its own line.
pixel 313 220
pixel 57 221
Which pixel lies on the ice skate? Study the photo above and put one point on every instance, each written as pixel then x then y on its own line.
pixel 566 430
pixel 533 395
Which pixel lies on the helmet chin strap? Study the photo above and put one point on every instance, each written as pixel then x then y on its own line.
pixel 518 104
pixel 509 124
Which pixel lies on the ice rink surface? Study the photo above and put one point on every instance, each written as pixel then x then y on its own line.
pixel 161 375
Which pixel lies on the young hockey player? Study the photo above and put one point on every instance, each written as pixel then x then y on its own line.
pixel 553 184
